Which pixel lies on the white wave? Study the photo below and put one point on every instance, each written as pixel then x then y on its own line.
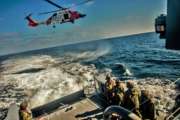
pixel 60 78
pixel 49 84
pixel 90 55
pixel 163 90
pixel 15 65
pixel 124 68
pixel 127 72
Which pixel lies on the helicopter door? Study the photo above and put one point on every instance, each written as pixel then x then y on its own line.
pixel 66 16
pixel 57 18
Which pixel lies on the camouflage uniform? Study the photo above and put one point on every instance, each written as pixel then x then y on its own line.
pixel 118 98
pixel 24 113
pixel 108 91
pixel 148 109
pixel 132 97
pixel 109 85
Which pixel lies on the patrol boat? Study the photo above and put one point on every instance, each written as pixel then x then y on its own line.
pixel 88 103
pixel 85 104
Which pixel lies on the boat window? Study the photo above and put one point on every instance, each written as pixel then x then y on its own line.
pixel 160 28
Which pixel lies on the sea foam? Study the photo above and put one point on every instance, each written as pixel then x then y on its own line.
pixel 62 76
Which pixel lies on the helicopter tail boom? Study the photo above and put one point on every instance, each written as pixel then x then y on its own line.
pixel 32 23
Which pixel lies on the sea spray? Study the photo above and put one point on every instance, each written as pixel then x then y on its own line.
pixel 89 55
pixel 61 77
pixel 55 81
pixel 123 69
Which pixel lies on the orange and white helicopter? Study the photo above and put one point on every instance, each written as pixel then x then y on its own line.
pixel 62 15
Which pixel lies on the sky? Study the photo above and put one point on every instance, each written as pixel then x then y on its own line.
pixel 105 18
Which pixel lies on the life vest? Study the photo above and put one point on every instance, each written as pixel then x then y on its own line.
pixel 25 115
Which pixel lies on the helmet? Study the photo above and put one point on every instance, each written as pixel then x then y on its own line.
pixel 122 86
pixel 130 84
pixel 23 105
pixel 108 77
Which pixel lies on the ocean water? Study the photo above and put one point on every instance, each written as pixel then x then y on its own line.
pixel 144 55
pixel 47 74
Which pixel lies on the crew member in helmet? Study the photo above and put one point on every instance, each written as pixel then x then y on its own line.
pixel 147 107
pixel 24 112
pixel 109 85
pixel 118 93
pixel 132 98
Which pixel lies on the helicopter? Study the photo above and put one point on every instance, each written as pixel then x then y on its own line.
pixel 60 16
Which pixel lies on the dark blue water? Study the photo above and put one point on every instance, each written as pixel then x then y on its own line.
pixel 144 55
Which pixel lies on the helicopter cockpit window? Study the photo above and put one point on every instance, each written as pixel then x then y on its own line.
pixel 66 16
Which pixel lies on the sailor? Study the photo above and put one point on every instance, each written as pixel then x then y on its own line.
pixel 147 107
pixel 132 98
pixel 24 112
pixel 110 83
pixel 118 93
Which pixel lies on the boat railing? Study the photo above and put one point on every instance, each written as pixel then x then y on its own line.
pixel 173 115
pixel 120 113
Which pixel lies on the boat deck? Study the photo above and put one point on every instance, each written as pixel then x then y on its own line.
pixel 81 110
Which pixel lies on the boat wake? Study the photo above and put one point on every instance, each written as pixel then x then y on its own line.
pixel 53 79
pixel 42 79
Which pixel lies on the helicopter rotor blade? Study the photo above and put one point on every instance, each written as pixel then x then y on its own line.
pixel 81 3
pixel 42 13
pixel 61 8
pixel 54 4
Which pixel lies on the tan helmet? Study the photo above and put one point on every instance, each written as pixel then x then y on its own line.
pixel 147 93
pixel 24 105
pixel 130 83
pixel 122 85
pixel 108 77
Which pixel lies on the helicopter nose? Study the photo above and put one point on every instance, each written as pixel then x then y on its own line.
pixel 82 15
